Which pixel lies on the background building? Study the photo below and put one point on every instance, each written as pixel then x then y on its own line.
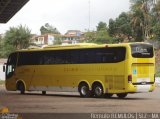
pixel 46 39
pixel 72 37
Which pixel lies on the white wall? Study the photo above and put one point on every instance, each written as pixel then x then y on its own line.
pixel 2 74
pixel 50 40
pixel 157 81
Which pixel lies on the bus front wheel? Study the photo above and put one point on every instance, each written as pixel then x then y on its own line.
pixel 122 95
pixel 21 87
pixel 84 91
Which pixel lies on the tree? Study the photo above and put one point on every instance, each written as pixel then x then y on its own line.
pixel 156 30
pixel 16 38
pixel 102 35
pixel 120 28
pixel 141 23
pixel 1 46
pixel 112 27
pixel 156 20
pixel 90 36
pixel 102 26
pixel 141 18
pixel 123 23
pixel 156 9
pixel 47 28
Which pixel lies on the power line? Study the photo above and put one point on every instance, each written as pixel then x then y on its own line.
pixel 89 18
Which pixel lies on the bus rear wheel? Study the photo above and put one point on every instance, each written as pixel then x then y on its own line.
pixel 84 91
pixel 21 87
pixel 122 95
pixel 98 90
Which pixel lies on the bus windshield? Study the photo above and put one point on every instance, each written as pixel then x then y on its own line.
pixel 11 65
pixel 142 50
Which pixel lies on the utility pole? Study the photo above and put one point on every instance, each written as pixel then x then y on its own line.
pixel 89 18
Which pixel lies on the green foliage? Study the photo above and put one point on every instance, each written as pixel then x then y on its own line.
pixel 144 19
pixel 156 21
pixel 15 38
pixel 158 70
pixel 156 30
pixel 123 24
pixel 90 36
pixel 102 26
pixel 141 23
pixel 47 28
pixel 1 82
pixel 100 36
pixel 112 27
pixel 120 28
pixel 116 40
pixel 1 46
pixel 156 11
pixel 138 19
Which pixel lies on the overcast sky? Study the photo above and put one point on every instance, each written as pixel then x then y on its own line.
pixel 66 14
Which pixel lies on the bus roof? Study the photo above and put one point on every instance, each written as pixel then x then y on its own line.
pixel 77 46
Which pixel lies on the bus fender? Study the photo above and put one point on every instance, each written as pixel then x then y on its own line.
pixel 90 88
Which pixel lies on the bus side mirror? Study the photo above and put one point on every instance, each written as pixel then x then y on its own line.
pixel 4 67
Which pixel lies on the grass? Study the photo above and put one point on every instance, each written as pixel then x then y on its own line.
pixel 2 82
pixel 158 70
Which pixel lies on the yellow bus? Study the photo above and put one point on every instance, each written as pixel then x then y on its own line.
pixel 90 69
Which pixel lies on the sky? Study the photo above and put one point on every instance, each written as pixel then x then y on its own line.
pixel 66 14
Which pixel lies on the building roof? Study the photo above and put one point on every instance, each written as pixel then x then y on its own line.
pixel 72 32
pixel 8 8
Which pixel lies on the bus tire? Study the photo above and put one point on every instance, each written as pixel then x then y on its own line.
pixel 21 87
pixel 83 89
pixel 43 92
pixel 98 90
pixel 121 95
pixel 108 95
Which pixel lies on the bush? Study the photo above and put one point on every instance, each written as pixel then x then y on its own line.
pixel 2 82
pixel 157 70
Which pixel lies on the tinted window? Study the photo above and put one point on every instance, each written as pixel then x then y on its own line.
pixel 142 50
pixel 76 56
pixel 28 58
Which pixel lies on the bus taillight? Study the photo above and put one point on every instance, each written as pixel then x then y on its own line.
pixel 129 78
